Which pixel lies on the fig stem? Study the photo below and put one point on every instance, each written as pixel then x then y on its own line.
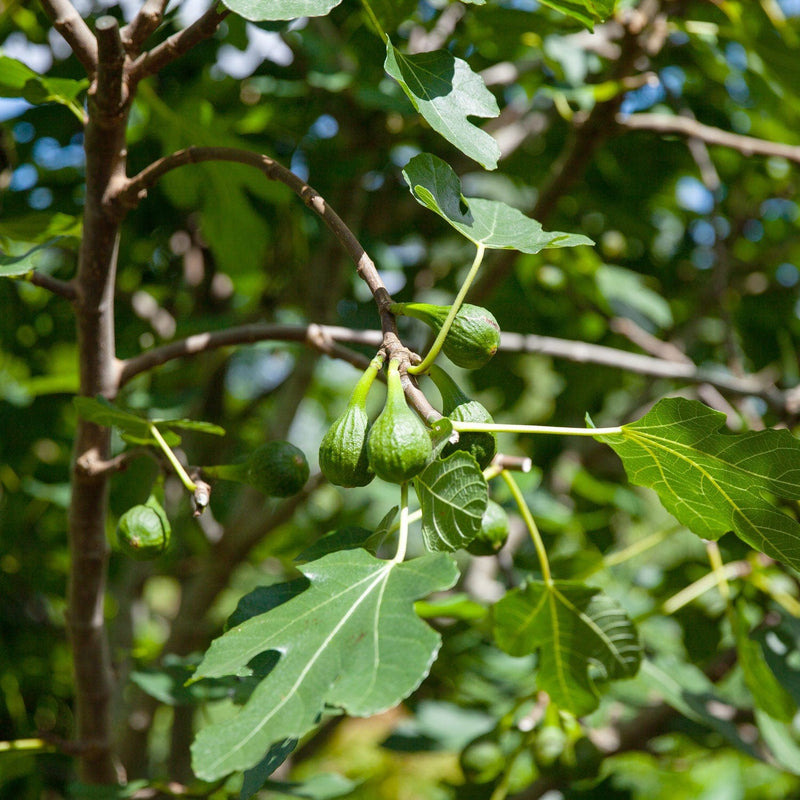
pixel 488 427
pixel 364 384
pixel 374 20
pixel 530 523
pixel 190 485
pixel 436 347
pixel 402 540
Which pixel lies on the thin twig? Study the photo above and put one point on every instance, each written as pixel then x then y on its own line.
pixel 136 32
pixel 71 26
pixel 54 285
pixel 685 126
pixel 176 45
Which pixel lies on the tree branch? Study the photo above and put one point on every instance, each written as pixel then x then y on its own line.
pixel 686 126
pixel 45 281
pixel 325 337
pixel 320 337
pixel 105 148
pixel 136 32
pixel 176 45
pixel 132 191
pixel 71 26
pixel 136 189
pixel 585 353
pixel 111 90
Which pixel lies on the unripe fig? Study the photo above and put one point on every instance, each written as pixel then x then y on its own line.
pixel 493 532
pixel 277 469
pixel 473 337
pixel 399 445
pixel 343 455
pixel 460 408
pixel 482 760
pixel 143 531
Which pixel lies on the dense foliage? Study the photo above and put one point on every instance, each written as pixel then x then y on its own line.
pixel 565 556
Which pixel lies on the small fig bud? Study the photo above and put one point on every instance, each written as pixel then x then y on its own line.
pixel 493 532
pixel 143 531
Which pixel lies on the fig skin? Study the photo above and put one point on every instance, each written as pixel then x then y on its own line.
pixel 399 445
pixel 473 337
pixel 460 408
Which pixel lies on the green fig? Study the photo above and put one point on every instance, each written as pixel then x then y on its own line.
pixel 343 455
pixel 460 408
pixel 482 760
pixel 277 469
pixel 143 531
pixel 399 445
pixel 493 531
pixel 473 337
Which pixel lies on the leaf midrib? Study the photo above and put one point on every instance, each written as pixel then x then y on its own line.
pixel 382 574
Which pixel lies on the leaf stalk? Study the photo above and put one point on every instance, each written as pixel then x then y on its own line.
pixel 436 347
pixel 530 523
pixel 190 485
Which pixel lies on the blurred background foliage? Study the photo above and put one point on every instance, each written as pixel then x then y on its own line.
pixel 697 249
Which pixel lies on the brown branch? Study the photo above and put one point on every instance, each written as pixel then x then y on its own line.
pixel 582 352
pixel 62 288
pixel 685 126
pixel 320 337
pixel 176 45
pixel 111 93
pixel 105 147
pixel 136 32
pixel 71 26
pixel 133 190
pixel 325 338
pixel 136 188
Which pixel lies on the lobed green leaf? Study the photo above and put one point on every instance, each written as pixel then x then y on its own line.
pixel 446 91
pixel 581 634
pixel 490 223
pixel 350 641
pixel 713 481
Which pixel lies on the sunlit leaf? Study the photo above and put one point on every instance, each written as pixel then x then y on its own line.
pixel 586 11
pixel 446 91
pixel 262 10
pixel 350 641
pixel 135 428
pixel 491 223
pixel 19 80
pixel 582 637
pixel 713 481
